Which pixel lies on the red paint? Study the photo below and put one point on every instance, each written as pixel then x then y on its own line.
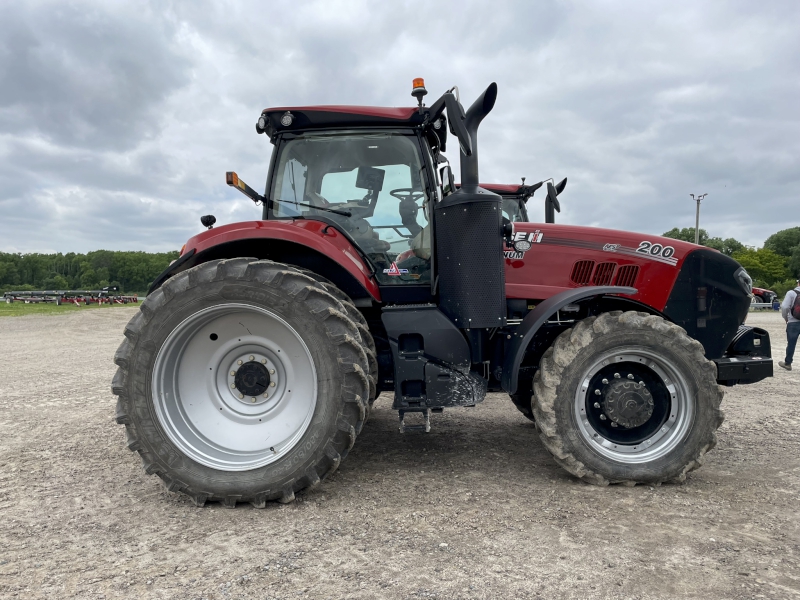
pixel 501 188
pixel 304 232
pixel 507 189
pixel 399 113
pixel 544 270
pixel 547 266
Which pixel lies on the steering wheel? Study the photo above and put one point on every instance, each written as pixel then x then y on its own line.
pixel 407 194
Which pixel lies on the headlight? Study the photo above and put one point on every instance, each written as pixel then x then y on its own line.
pixel 522 245
pixel 744 280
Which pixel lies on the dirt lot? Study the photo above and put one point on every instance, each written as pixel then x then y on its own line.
pixel 474 509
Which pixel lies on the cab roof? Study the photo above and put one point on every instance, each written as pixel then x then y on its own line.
pixel 336 117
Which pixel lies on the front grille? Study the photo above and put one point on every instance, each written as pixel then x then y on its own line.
pixel 582 272
pixel 603 273
pixel 627 274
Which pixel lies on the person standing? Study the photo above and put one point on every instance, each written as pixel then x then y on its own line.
pixel 791 314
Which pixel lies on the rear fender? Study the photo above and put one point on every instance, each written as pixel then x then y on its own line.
pixel 526 331
pixel 313 245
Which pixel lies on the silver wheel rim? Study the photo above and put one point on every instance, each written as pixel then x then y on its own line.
pixel 201 410
pixel 672 432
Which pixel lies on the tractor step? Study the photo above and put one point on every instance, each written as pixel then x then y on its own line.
pixel 425 426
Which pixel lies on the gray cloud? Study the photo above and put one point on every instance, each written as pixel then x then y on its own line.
pixel 117 122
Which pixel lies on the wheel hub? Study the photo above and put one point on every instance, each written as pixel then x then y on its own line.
pixel 628 403
pixel 252 379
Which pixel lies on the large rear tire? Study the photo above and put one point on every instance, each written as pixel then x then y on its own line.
pixel 241 381
pixel 627 398
pixel 363 328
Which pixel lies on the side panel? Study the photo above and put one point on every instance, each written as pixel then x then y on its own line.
pixel 564 257
pixel 316 235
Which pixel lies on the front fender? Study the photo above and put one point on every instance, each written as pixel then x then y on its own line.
pixel 536 318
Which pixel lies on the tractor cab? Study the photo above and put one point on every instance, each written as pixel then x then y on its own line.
pixel 369 185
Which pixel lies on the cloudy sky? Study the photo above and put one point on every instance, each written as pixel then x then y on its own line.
pixel 118 120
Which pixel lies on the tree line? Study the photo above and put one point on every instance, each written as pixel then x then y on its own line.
pixel 130 271
pixel 776 265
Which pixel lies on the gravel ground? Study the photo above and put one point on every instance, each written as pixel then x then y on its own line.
pixel 474 509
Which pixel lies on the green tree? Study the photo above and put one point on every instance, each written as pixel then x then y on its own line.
pixel 784 242
pixel 763 264
pixel 687 235
pixel 57 282
pixel 794 262
pixel 781 287
pixel 727 246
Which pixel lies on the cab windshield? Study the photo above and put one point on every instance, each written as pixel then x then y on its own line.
pixel 376 178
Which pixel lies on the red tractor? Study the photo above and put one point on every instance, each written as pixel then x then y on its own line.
pixel 253 363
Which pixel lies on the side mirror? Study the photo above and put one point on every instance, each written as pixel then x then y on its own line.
pixel 551 204
pixel 552 196
pixel 447 179
pixel 456 118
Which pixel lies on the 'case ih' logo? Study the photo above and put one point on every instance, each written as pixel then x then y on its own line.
pixel 533 237
pixel 394 271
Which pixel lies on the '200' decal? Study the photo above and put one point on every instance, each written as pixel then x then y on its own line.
pixel 655 249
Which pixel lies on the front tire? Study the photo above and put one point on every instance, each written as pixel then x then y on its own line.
pixel 241 381
pixel 523 403
pixel 627 398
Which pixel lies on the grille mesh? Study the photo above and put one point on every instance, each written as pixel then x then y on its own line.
pixel 604 273
pixel 582 272
pixel 471 265
pixel 627 274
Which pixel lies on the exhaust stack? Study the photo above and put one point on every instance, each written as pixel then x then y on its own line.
pixel 476 113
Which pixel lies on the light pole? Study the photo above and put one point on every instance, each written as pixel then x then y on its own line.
pixel 697 218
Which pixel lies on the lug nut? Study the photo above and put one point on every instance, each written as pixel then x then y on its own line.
pixel 605 381
pixel 597 392
pixel 252 357
pixel 271 384
pixel 272 371
pixel 233 386
pixel 614 424
pixel 597 405
pixel 263 361
pixel 630 376
pixel 253 399
pixel 603 417
pixel 233 373
pixel 241 396
pixel 616 375
pixel 238 362
pixel 265 395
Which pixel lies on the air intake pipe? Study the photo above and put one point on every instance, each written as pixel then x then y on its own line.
pixel 469 238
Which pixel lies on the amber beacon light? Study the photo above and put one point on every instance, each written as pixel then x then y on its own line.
pixel 418 90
